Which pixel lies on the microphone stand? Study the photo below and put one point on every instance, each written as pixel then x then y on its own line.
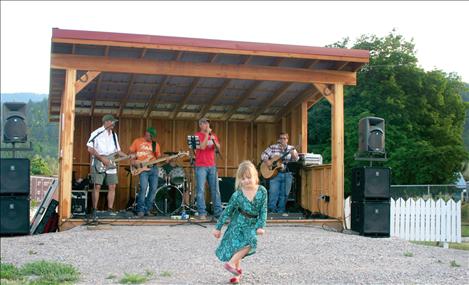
pixel 217 150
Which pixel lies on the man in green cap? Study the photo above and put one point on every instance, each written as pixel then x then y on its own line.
pixel 102 144
pixel 146 149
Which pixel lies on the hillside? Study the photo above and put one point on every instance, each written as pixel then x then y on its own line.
pixel 22 97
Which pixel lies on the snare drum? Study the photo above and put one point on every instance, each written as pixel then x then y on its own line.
pixel 177 176
pixel 168 199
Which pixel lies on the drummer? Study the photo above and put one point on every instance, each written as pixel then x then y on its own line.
pixel 170 165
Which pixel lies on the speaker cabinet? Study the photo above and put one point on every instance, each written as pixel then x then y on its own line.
pixel 15 176
pixel 370 183
pixel 371 217
pixel 14 218
pixel 14 126
pixel 371 135
pixel 227 188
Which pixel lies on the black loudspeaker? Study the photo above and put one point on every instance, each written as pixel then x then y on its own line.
pixel 227 188
pixel 79 202
pixel 371 217
pixel 370 183
pixel 14 125
pixel 14 218
pixel 15 176
pixel 371 135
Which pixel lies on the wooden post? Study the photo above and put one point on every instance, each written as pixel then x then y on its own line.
pixel 304 127
pixel 338 150
pixel 67 127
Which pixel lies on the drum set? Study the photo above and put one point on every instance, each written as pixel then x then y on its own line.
pixel 172 193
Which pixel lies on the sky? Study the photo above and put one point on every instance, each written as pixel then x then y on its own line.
pixel 440 30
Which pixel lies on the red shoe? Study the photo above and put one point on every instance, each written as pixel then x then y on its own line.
pixel 235 280
pixel 231 269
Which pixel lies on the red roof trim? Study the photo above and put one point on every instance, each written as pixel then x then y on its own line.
pixel 207 43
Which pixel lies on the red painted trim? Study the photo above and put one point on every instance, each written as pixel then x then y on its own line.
pixel 206 43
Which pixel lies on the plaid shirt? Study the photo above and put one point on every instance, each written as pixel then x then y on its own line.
pixel 276 149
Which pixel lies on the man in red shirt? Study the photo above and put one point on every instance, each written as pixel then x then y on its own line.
pixel 146 149
pixel 205 168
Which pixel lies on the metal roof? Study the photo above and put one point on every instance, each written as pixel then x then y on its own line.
pixel 219 95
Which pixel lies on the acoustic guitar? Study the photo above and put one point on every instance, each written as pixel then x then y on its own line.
pixel 136 169
pixel 276 163
pixel 101 168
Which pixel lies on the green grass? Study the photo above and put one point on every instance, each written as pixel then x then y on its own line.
pixel 454 264
pixel 453 245
pixel 165 274
pixel 408 254
pixel 465 231
pixel 133 279
pixel 39 273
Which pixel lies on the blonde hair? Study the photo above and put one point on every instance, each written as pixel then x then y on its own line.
pixel 246 168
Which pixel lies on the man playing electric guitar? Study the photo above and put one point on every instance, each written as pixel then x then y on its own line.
pixel 103 142
pixel 280 185
pixel 146 149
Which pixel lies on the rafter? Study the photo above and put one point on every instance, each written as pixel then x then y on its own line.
pixel 154 98
pixel 125 98
pixel 194 84
pixel 270 100
pixel 309 94
pixel 220 92
pixel 98 86
pixel 248 93
pixel 191 69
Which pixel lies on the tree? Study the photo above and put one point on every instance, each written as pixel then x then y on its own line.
pixel 423 111
pixel 39 166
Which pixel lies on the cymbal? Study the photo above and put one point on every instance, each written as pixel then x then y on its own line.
pixel 170 152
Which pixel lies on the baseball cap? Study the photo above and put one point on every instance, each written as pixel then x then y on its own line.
pixel 152 132
pixel 204 120
pixel 109 117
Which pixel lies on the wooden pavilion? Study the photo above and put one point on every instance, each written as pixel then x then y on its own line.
pixel 249 91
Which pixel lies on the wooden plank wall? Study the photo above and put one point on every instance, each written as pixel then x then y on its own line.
pixel 318 181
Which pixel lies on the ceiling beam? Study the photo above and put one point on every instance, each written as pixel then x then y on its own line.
pixel 220 92
pixel 154 98
pixel 270 100
pixel 125 98
pixel 309 94
pixel 248 93
pixel 194 84
pixel 98 86
pixel 199 69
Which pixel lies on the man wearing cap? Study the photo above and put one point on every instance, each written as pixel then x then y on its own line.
pixel 146 149
pixel 102 143
pixel 205 168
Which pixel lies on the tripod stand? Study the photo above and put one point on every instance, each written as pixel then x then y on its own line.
pixel 192 142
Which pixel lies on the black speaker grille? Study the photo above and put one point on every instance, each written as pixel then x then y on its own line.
pixel 15 176
pixel 14 218
pixel 371 217
pixel 370 183
pixel 14 130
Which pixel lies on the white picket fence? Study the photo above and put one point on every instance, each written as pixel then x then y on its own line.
pixel 426 220
pixel 421 220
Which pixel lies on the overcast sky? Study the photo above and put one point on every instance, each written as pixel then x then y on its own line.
pixel 440 29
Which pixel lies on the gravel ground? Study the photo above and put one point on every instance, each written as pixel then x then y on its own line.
pixel 286 255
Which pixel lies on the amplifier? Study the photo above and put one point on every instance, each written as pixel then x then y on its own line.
pixel 79 202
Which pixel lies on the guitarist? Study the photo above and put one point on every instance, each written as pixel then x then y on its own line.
pixel 102 143
pixel 280 185
pixel 146 149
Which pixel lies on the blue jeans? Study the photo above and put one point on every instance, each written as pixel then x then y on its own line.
pixel 280 187
pixel 202 174
pixel 147 179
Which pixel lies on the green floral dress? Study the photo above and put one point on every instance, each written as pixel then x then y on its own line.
pixel 241 231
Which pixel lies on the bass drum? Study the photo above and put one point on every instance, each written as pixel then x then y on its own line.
pixel 168 200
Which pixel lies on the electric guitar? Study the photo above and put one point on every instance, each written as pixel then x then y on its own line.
pixel 276 163
pixel 101 168
pixel 136 169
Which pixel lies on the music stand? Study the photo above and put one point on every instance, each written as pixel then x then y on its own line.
pixel 192 142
